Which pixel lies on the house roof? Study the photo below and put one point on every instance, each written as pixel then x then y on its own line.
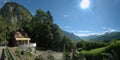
pixel 21 35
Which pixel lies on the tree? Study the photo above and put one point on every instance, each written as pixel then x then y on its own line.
pixel 42 33
pixel 2 30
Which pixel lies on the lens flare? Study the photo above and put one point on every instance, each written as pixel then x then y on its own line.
pixel 84 4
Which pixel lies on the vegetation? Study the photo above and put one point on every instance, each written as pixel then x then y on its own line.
pixel 2 31
pixel 66 55
pixel 49 57
pixel 48 36
pixel 111 51
pixel 40 27
pixel 106 37
pixel 16 54
pixel 87 45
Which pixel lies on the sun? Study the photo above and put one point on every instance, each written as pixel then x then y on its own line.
pixel 84 4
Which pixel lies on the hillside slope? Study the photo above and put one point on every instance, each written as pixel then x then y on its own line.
pixel 112 51
pixel 71 36
pixel 15 12
pixel 106 36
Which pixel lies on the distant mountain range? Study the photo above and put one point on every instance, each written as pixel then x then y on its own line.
pixel 105 36
pixel 71 36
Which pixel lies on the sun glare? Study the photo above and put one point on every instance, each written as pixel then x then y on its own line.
pixel 84 4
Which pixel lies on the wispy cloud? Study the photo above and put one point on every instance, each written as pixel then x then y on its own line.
pixel 4 1
pixel 66 16
pixel 83 34
pixel 87 32
pixel 112 30
pixel 104 27
pixel 77 31
pixel 83 31
pixel 67 27
pixel 109 29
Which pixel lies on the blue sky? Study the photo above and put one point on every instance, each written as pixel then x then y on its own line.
pixel 101 16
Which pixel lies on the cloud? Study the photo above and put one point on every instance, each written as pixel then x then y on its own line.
pixel 104 27
pixel 112 30
pixel 77 31
pixel 4 1
pixel 83 34
pixel 66 16
pixel 87 32
pixel 83 31
pixel 109 29
pixel 67 27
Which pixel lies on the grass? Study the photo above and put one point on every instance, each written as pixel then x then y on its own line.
pixel 93 52
pixel 115 45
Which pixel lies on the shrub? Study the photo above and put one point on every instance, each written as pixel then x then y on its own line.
pixel 66 56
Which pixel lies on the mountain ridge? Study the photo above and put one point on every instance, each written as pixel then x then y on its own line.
pixel 15 12
pixel 71 36
pixel 106 36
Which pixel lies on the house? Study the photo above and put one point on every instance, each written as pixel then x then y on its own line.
pixel 19 37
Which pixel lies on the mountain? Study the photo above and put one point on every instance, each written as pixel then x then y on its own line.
pixel 40 27
pixel 89 37
pixel 15 12
pixel 71 36
pixel 105 36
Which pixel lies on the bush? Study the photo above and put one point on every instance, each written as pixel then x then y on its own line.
pixel 66 56
pixel 79 49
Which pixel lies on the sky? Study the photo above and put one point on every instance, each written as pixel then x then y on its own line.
pixel 81 17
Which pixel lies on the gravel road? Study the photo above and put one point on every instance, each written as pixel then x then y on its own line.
pixel 56 55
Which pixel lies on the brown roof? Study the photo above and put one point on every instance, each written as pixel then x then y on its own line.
pixel 20 35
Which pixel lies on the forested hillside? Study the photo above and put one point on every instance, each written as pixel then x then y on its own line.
pixel 109 52
pixel 40 27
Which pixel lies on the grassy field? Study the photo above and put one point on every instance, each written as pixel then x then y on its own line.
pixel 112 49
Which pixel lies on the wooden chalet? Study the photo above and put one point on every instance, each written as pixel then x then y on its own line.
pixel 19 37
